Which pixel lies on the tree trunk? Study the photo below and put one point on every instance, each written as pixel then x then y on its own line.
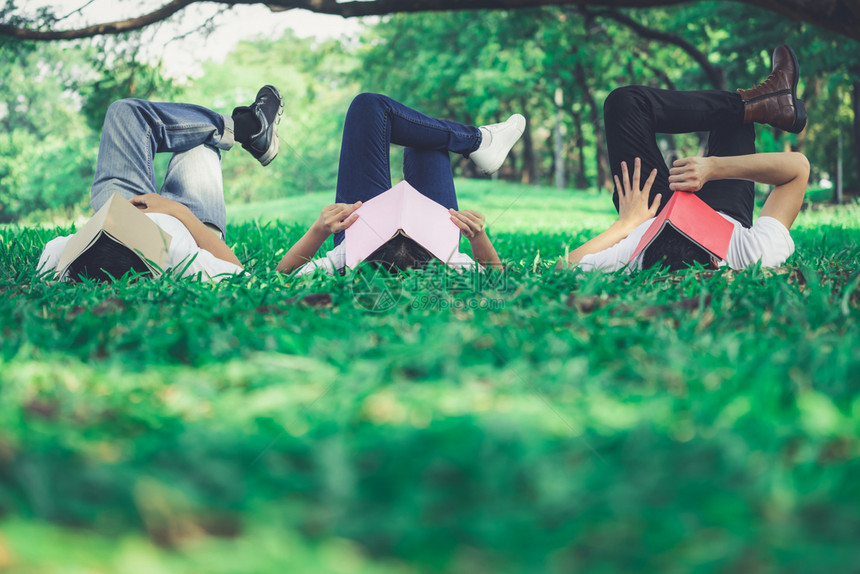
pixel 559 176
pixel 579 144
pixel 604 180
pixel 855 106
pixel 528 153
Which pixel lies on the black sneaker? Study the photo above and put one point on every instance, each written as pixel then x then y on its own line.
pixel 265 113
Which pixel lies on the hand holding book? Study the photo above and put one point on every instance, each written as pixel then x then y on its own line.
pixel 155 203
pixel 471 224
pixel 336 217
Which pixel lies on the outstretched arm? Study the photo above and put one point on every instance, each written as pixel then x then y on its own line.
pixel 633 211
pixel 203 236
pixel 788 171
pixel 333 218
pixel 471 224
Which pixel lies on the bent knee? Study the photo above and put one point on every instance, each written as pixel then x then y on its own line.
pixel 622 100
pixel 366 100
pixel 120 110
pixel 802 163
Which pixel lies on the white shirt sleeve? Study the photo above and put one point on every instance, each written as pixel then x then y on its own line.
pixel 50 257
pixel 204 266
pixel 186 258
pixel 617 256
pixel 767 241
pixel 334 261
pixel 462 262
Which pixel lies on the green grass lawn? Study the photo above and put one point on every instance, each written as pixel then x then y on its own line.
pixel 510 208
pixel 532 421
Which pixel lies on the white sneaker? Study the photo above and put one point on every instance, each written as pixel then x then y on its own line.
pixel 498 141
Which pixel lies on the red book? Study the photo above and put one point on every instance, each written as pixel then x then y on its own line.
pixel 695 220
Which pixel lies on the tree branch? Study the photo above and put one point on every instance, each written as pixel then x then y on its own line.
pixel 715 75
pixel 840 16
pixel 117 27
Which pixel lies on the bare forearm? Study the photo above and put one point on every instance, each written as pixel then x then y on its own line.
pixel 788 171
pixel 616 232
pixel 484 252
pixel 303 250
pixel 767 168
pixel 205 238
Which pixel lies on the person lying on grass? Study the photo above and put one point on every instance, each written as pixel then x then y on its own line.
pixel 373 122
pixel 190 204
pixel 723 179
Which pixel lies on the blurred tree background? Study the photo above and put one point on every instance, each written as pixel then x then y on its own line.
pixel 554 64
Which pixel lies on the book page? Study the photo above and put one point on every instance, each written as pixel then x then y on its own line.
pixel 430 225
pixel 378 221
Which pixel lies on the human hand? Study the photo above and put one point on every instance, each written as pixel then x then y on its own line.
pixel 155 203
pixel 336 217
pixel 689 173
pixel 470 222
pixel 633 205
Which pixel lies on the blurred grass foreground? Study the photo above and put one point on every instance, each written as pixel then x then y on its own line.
pixel 536 421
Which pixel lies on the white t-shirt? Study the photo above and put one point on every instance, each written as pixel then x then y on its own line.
pixel 183 254
pixel 335 260
pixel 767 241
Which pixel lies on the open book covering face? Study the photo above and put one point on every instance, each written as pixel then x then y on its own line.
pixel 106 259
pixel 694 219
pixel 401 209
pixel 118 224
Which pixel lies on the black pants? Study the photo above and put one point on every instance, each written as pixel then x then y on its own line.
pixel 633 115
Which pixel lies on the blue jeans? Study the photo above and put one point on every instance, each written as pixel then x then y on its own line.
pixel 135 130
pixel 373 122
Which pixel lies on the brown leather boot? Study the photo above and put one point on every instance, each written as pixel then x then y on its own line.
pixel 775 101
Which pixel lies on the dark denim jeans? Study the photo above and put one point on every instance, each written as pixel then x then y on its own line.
pixel 373 123
pixel 634 114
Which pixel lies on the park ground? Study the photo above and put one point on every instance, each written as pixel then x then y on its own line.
pixel 525 421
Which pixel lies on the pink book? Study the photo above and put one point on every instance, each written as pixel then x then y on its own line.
pixel 401 208
pixel 694 219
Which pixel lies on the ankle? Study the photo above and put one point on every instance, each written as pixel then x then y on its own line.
pixel 486 138
pixel 245 126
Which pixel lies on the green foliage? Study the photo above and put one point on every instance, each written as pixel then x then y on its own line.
pixel 122 77
pixel 51 111
pixel 477 67
pixel 45 148
pixel 541 421
pixel 555 65
pixel 315 80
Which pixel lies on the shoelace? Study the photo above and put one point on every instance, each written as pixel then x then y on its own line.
pixel 769 78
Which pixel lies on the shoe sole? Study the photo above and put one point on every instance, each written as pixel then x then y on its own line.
pixel 275 146
pixel 800 107
pixel 272 152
